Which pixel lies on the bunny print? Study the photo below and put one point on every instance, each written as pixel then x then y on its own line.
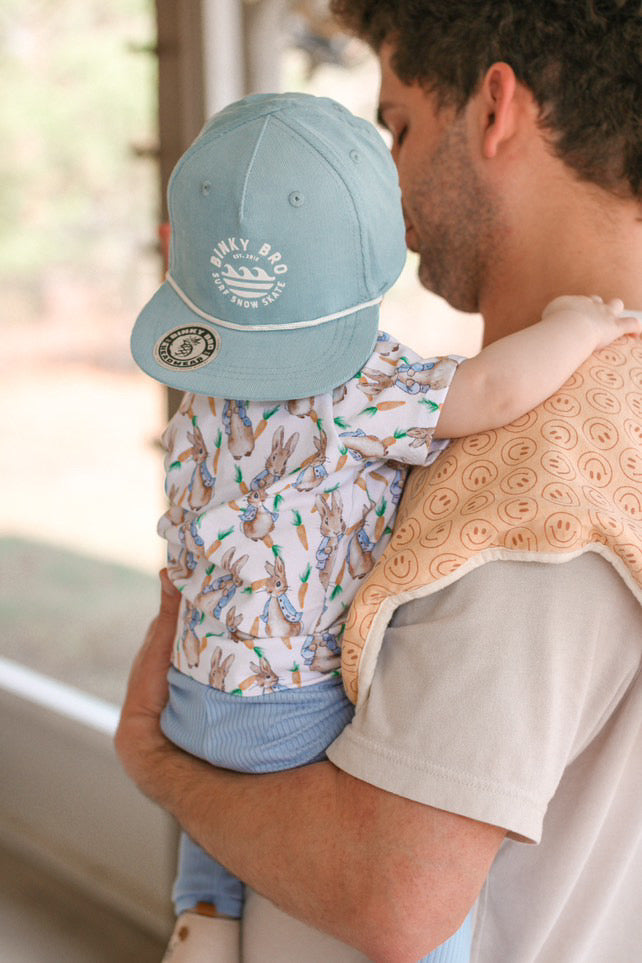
pixel 238 428
pixel 360 546
pixel 315 472
pixel 216 593
pixel 415 378
pixel 362 446
pixel 321 652
pixel 219 668
pixel 279 615
pixel 201 486
pixel 232 623
pixel 190 642
pixel 276 462
pixel 257 520
pixel 332 530
pixel 265 676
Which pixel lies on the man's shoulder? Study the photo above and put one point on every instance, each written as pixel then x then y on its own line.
pixel 559 481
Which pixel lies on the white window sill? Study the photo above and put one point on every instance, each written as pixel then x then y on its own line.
pixel 66 803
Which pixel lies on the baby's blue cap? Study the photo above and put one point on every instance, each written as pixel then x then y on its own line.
pixel 286 230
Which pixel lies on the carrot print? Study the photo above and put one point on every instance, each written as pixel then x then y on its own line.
pixel 382 406
pixel 262 425
pixel 296 674
pixel 238 477
pixel 219 438
pixel 303 588
pixel 184 455
pixel 380 512
pixel 300 529
pixel 219 541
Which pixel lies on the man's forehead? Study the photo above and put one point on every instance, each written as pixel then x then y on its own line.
pixel 391 90
pixel 413 98
pixel 394 93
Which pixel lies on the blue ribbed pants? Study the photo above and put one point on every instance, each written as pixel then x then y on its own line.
pixel 267 733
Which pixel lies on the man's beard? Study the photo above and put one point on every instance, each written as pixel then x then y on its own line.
pixel 457 224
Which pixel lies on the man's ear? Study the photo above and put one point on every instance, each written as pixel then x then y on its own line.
pixel 498 97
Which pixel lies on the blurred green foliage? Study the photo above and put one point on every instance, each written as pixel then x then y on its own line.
pixel 75 97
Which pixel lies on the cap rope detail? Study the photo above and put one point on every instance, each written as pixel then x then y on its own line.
pixel 266 327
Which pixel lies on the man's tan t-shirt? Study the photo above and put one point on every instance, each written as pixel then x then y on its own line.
pixel 488 704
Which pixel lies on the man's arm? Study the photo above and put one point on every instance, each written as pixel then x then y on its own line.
pixel 389 876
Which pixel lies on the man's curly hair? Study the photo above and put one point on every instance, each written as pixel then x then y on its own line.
pixel 581 60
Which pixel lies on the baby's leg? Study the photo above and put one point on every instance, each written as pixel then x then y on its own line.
pixel 209 903
pixel 200 879
pixel 285 729
pixel 197 938
pixel 270 934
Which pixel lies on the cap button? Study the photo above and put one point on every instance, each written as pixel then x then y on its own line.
pixel 355 156
pixel 296 198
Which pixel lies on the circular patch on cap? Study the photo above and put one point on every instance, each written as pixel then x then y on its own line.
pixel 188 347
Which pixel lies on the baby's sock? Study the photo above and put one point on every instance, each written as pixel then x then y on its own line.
pixel 200 935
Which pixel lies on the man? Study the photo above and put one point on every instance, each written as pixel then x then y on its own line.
pixel 506 707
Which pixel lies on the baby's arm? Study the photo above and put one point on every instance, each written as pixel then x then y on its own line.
pixel 518 372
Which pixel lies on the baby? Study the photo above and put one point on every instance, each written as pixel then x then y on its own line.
pixel 287 457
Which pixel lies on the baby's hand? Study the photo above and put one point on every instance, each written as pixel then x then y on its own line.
pixel 605 320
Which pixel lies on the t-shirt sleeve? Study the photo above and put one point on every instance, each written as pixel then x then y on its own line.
pixel 486 690
pixel 391 408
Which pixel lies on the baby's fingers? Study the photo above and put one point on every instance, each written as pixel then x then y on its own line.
pixel 629 325
pixel 617 323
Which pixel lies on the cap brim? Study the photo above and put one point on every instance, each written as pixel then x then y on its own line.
pixel 252 365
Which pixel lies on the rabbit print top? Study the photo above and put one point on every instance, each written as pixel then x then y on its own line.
pixel 277 510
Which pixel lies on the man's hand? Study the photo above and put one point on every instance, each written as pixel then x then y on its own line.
pixel 139 740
